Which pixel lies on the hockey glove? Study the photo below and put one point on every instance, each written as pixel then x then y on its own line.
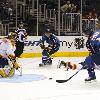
pixel 42 46
pixel 48 49
pixel 83 64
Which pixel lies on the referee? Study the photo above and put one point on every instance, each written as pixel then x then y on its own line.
pixel 20 39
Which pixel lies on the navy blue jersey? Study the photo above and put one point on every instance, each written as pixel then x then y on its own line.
pixel 93 43
pixel 52 40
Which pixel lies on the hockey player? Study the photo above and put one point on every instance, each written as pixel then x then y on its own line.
pixel 53 47
pixel 7 57
pixel 67 65
pixel 93 60
pixel 20 39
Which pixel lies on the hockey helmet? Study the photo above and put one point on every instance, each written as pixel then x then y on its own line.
pixel 48 30
pixel 12 35
pixel 88 31
pixel 21 25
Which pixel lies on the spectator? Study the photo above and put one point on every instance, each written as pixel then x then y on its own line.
pixel 66 7
pixel 10 12
pixel 69 7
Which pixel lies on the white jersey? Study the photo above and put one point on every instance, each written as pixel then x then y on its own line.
pixel 6 47
pixel 21 35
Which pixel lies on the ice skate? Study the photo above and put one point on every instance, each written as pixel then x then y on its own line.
pixel 45 64
pixel 90 79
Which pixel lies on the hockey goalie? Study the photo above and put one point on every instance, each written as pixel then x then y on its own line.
pixel 8 63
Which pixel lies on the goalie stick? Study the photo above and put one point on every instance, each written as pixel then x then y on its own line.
pixel 63 81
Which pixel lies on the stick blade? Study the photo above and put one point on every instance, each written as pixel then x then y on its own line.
pixel 61 81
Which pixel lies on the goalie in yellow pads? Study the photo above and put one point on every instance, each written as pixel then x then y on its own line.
pixel 8 63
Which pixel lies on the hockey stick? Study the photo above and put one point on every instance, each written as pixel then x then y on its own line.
pixel 63 81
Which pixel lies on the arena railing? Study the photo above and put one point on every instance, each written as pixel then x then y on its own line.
pixel 70 23
pixel 4 29
pixel 91 23
pixel 73 24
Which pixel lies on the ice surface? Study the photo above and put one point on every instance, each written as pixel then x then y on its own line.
pixel 34 84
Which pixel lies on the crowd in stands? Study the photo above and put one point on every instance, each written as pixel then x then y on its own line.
pixel 90 9
pixel 6 10
pixel 69 7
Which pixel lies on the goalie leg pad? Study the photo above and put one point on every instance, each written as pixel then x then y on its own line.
pixel 7 72
pixel 2 73
pixel 11 72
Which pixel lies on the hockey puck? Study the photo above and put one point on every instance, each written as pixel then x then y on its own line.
pixel 50 78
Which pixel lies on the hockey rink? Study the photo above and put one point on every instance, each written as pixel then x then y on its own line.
pixel 34 84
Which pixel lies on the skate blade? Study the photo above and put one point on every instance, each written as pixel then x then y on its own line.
pixel 44 65
pixel 92 81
